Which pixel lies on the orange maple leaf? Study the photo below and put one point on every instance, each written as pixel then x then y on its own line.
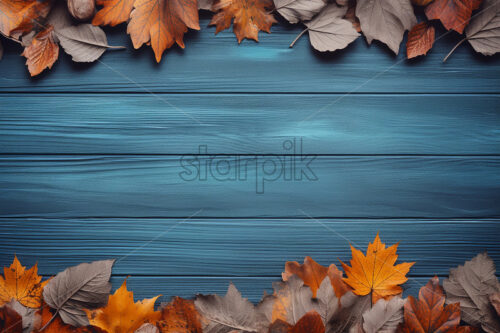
pixel 44 319
pixel 250 16
pixel 18 16
pixel 180 316
pixel 375 273
pixel 161 23
pixel 43 51
pixel 428 314
pixel 121 314
pixel 113 12
pixel 454 14
pixel 20 284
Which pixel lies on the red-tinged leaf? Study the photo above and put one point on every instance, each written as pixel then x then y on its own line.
pixel 454 14
pixel 420 40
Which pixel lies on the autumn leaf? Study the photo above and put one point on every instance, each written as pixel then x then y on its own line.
pixel 250 16
pixel 495 302
pixel 10 320
pixel 337 280
pixel 420 40
pixel 299 10
pixel 121 314
pixel 19 16
pixel 179 316
pixel 113 12
pixel 43 322
pixel 350 15
pixel 161 23
pixel 453 14
pixel 310 272
pixel 375 273
pixel 384 316
pixel 428 314
pixel 22 285
pixel 43 51
pixel 311 323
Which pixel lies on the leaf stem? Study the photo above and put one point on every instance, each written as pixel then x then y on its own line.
pixel 453 49
pixel 298 37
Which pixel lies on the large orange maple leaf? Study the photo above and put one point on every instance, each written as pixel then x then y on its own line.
pixel 161 23
pixel 375 273
pixel 20 284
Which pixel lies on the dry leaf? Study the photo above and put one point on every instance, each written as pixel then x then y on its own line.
pixel 310 272
pixel 384 316
pixel 179 316
pixel 375 273
pixel 10 320
pixel 337 280
pixel 328 31
pixel 454 14
pixel 295 11
pixel 483 32
pixel 113 12
pixel 121 314
pixel 78 287
pixel 43 322
pixel 22 285
pixel 149 328
pixel 350 15
pixel 420 40
pixel 250 16
pixel 231 312
pixel 385 20
pixel 27 315
pixel 471 285
pixel 495 302
pixel 427 314
pixel 310 323
pixel 18 16
pixel 43 51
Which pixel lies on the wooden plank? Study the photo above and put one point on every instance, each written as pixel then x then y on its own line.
pixel 174 186
pixel 238 247
pixel 217 64
pixel 249 124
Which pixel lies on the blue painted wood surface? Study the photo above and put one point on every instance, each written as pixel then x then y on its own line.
pixel 89 160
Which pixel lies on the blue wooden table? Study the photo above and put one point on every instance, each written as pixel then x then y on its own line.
pixel 101 160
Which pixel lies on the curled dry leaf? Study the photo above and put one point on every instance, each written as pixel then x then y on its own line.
pixel 161 23
pixel 471 285
pixel 85 286
pixel 311 323
pixel 385 20
pixel 384 316
pixel 44 321
pixel 454 14
pixel 19 16
pixel 376 273
pixel 420 40
pixel 295 11
pixel 250 16
pixel 24 286
pixel 180 316
pixel 122 314
pixel 10 320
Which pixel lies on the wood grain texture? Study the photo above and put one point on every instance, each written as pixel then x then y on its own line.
pixel 238 247
pixel 217 64
pixel 249 124
pixel 155 186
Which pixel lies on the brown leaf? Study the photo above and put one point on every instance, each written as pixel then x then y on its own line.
pixel 311 322
pixel 43 51
pixel 310 272
pixel 250 16
pixel 179 316
pixel 113 12
pixel 337 280
pixel 161 23
pixel 10 320
pixel 43 322
pixel 454 14
pixel 19 16
pixel 495 301
pixel 420 40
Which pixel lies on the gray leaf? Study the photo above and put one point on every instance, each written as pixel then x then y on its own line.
pixel 228 313
pixel 295 11
pixel 384 316
pixel 471 285
pixel 205 4
pixel 483 32
pixel 350 314
pixel 83 286
pixel 27 315
pixel 84 42
pixel 147 328
pixel 59 16
pixel 329 31
pixel 385 20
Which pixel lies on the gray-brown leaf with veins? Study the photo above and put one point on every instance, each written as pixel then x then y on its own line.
pixel 384 316
pixel 85 286
pixel 295 11
pixel 385 20
pixel 471 285
pixel 483 32
pixel 329 31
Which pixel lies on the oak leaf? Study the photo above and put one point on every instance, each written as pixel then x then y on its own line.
pixel 250 16
pixel 428 314
pixel 20 16
pixel 10 320
pixel 420 40
pixel 122 314
pixel 24 286
pixel 44 321
pixel 376 273
pixel 311 323
pixel 161 23
pixel 179 316
pixel 453 14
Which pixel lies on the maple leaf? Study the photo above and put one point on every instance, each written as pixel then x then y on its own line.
pixel 428 314
pixel 375 273
pixel 161 23
pixel 454 14
pixel 420 40
pixel 43 51
pixel 18 16
pixel 22 285
pixel 250 16
pixel 121 314
pixel 311 322
pixel 10 320
pixel 179 316
pixel 45 322
pixel 113 12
